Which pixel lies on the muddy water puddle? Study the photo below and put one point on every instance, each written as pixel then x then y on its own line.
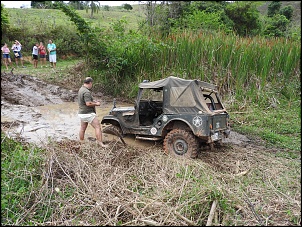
pixel 42 124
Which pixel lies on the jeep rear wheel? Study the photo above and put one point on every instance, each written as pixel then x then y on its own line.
pixel 180 142
pixel 112 132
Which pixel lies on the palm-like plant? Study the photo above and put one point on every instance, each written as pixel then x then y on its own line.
pixel 93 5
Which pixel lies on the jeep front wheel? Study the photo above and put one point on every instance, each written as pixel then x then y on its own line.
pixel 113 132
pixel 180 142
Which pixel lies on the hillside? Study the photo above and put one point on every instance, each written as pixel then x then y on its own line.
pixel 50 17
pixel 295 4
pixel 102 19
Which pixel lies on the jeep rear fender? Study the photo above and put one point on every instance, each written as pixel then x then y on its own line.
pixel 177 123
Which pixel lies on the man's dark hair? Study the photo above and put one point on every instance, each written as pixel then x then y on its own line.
pixel 88 80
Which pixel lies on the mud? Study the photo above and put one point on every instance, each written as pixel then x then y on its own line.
pixel 39 112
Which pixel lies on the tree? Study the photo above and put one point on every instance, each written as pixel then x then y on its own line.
pixel 150 11
pixel 277 26
pixel 273 8
pixel 288 12
pixel 106 8
pixel 79 5
pixel 164 13
pixel 127 6
pixel 41 4
pixel 210 6
pixel 94 6
pixel 4 19
pixel 245 17
pixel 96 49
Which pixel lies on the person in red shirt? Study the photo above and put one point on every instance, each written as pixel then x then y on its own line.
pixel 42 54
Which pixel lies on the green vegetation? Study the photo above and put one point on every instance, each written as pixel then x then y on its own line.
pixel 278 126
pixel 20 176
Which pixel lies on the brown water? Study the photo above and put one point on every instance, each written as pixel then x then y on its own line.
pixel 42 124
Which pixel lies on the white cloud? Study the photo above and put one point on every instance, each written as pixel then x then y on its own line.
pixel 16 4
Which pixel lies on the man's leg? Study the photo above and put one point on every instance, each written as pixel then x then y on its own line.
pixel 98 132
pixel 82 130
pixel 50 60
pixel 54 61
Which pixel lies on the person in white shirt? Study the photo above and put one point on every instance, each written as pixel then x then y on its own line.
pixel 17 52
pixel 35 54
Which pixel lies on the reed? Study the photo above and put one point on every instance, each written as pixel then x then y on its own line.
pixel 242 65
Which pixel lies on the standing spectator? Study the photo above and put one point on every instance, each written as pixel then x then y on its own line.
pixel 35 54
pixel 17 52
pixel 87 112
pixel 42 52
pixel 51 47
pixel 5 54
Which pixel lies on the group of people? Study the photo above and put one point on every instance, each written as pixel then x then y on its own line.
pixel 39 50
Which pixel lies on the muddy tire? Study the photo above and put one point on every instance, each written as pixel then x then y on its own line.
pixel 212 147
pixel 181 143
pixel 219 143
pixel 115 132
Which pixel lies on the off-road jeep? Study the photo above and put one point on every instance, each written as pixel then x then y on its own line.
pixel 184 114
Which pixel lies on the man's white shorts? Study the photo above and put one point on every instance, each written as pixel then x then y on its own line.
pixel 53 58
pixel 87 117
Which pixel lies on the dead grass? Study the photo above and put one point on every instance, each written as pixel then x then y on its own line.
pixel 88 185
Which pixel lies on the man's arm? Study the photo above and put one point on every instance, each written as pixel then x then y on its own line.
pixel 93 103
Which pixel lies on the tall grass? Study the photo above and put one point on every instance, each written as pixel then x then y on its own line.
pixel 237 65
pixel 249 61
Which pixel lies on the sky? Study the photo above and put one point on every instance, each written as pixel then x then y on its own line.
pixel 26 4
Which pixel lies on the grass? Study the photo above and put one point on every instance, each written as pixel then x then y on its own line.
pixel 20 177
pixel 279 127
pixel 49 18
pixel 129 186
